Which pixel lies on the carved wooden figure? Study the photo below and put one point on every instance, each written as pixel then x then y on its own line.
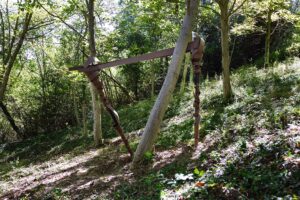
pixel 197 55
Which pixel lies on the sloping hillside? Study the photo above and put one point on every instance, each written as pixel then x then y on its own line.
pixel 250 149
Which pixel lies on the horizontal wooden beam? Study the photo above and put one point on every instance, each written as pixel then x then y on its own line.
pixel 126 61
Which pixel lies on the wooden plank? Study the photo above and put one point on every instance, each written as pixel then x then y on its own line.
pixel 126 61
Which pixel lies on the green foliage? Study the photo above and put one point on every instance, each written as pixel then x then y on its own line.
pixel 175 134
pixel 248 142
pixel 41 148
pixel 43 97
pixel 199 173
pixel 149 187
pixel 148 156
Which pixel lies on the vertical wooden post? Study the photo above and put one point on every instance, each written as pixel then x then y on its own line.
pixel 197 54
pixel 197 70
pixel 93 77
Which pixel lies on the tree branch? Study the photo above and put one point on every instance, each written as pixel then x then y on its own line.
pixel 8 21
pixel 13 57
pixel 3 37
pixel 232 6
pixel 119 84
pixel 37 26
pixel 210 8
pixel 237 8
pixel 12 41
pixel 62 20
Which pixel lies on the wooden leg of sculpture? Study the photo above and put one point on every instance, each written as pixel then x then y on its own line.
pixel 93 77
pixel 197 70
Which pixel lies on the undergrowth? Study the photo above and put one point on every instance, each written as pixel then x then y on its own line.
pixel 250 145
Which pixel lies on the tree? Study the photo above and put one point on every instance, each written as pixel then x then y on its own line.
pixel 227 9
pixel 271 9
pixel 184 73
pixel 266 17
pixel 97 131
pixel 11 46
pixel 76 8
pixel 164 97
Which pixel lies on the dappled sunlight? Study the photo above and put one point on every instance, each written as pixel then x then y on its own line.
pixel 166 157
pixel 248 155
pixel 208 143
pixel 243 144
pixel 74 176
pixel 45 173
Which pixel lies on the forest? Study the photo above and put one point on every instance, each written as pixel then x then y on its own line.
pixel 140 99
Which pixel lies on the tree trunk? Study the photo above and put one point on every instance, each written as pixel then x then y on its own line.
pixel 268 40
pixel 227 92
pixel 152 80
pixel 9 63
pixel 97 131
pixel 84 118
pixel 12 59
pixel 191 76
pixel 97 116
pixel 163 99
pixel 187 61
pixel 75 104
pixel 10 119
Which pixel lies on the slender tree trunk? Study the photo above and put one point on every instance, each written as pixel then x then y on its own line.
pixel 2 38
pixel 268 40
pixel 165 94
pixel 97 131
pixel 117 83
pixel 97 116
pixel 12 59
pixel 8 65
pixel 84 118
pixel 10 119
pixel 75 104
pixel 184 73
pixel 152 81
pixel 227 92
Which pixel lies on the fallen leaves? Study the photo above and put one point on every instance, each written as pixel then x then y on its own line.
pixel 199 184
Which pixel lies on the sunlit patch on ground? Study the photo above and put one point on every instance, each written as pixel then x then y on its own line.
pixel 248 148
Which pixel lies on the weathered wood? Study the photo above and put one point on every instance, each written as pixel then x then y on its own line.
pixel 164 97
pixel 91 68
pixel 93 77
pixel 197 54
pixel 197 70
pixel 126 61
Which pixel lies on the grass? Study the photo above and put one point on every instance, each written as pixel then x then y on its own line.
pixel 240 164
pixel 42 148
pixel 46 146
pixel 249 147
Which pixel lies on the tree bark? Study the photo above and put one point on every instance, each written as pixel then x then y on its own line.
pixel 97 116
pixel 13 57
pixel 187 60
pixel 10 119
pixel 152 81
pixel 227 92
pixel 8 64
pixel 268 40
pixel 163 99
pixel 97 131
pixel 75 106
pixel 84 118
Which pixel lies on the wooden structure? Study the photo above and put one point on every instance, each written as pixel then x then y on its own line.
pixel 91 68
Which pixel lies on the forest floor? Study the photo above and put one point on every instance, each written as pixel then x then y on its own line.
pixel 249 149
